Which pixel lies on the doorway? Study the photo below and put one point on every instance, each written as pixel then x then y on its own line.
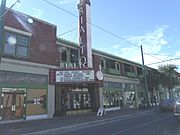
pixel 13 103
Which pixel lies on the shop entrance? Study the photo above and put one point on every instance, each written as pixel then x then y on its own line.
pixel 13 103
pixel 76 100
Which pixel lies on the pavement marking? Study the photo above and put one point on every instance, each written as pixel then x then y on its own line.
pixel 98 122
pixel 142 125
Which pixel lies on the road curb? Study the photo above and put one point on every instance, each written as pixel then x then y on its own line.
pixel 49 131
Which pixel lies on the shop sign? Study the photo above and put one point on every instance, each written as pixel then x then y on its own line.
pixel 82 63
pixel 22 78
pixel 74 76
pixel 112 85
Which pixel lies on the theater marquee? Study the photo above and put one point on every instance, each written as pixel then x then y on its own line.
pixel 74 76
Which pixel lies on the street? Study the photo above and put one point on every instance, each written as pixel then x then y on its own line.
pixel 154 123
pixel 128 122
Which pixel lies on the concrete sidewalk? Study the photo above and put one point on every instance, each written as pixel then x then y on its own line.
pixel 38 126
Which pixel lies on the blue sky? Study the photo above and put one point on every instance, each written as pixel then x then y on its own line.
pixel 152 23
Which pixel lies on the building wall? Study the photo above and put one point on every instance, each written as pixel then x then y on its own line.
pixel 43 48
pixel 32 68
pixel 51 103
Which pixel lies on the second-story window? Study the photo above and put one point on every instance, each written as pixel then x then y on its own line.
pixel 110 63
pixel 73 55
pixel 64 55
pixel 117 66
pixel 16 44
pixel 127 68
pixel 139 71
pixel 103 63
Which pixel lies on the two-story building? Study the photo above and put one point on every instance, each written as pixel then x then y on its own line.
pixel 29 51
pixel 42 76
pixel 122 79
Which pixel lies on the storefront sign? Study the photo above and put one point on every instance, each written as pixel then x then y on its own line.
pixel 82 63
pixel 85 31
pixel 74 76
pixel 16 78
pixel 112 85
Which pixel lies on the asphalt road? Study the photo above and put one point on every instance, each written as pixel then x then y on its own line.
pixel 153 123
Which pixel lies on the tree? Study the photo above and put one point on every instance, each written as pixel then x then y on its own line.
pixel 153 82
pixel 168 76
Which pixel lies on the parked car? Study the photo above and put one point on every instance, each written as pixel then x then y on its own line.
pixel 177 109
pixel 167 105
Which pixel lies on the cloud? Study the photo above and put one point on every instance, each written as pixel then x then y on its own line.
pixel 116 46
pixel 37 12
pixel 152 42
pixel 67 1
pixel 178 54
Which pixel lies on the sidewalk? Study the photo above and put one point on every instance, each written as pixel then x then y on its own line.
pixel 23 127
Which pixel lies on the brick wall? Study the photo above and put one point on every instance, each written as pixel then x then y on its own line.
pixel 43 48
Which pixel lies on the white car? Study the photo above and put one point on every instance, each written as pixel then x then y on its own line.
pixel 177 109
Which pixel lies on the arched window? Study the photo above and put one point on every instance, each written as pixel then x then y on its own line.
pixel 117 65
pixel 102 63
pixel 64 55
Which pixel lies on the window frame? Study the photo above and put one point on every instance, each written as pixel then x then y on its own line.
pixel 118 66
pixel 17 35
pixel 103 61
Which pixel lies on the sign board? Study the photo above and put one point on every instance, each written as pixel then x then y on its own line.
pixel 17 78
pixel 101 111
pixel 85 32
pixel 74 76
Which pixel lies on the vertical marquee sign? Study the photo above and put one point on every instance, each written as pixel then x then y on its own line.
pixel 85 33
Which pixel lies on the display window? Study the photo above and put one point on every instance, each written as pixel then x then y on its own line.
pixel 130 98
pixel 36 102
pixel 76 98
pixel 112 98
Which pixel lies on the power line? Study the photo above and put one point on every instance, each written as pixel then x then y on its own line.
pixel 160 54
pixel 164 61
pixel 60 8
pixel 114 35
pixel 67 32
pixel 17 1
pixel 152 56
pixel 99 27
pixel 92 24
pixel 75 36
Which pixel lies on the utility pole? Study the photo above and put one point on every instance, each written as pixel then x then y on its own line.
pixel 145 79
pixel 2 11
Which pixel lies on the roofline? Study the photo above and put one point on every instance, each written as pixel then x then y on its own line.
pixel 98 52
pixel 67 42
pixel 37 19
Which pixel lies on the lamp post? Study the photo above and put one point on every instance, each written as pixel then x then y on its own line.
pixel 2 11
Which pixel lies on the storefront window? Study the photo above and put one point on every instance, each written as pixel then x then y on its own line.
pixel 130 98
pixel 36 101
pixel 112 98
pixel 76 98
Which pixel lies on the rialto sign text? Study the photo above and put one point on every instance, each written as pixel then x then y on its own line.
pixel 82 63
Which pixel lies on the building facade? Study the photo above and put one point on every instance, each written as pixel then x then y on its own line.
pixel 121 86
pixel 29 51
pixel 76 88
pixel 42 76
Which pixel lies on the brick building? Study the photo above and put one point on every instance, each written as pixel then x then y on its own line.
pixel 29 50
